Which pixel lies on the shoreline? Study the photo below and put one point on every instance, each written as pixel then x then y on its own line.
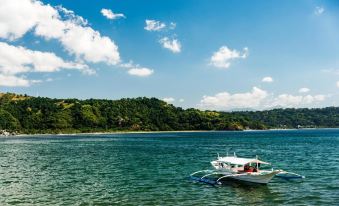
pixel 153 132
pixel 107 133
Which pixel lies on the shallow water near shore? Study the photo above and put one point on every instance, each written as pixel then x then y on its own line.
pixel 153 168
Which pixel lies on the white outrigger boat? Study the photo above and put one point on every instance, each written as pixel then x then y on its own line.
pixel 241 169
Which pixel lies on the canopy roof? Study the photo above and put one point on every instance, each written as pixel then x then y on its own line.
pixel 240 161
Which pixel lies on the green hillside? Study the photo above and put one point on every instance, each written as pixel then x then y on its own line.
pixel 26 114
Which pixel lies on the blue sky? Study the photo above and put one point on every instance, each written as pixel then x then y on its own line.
pixel 222 55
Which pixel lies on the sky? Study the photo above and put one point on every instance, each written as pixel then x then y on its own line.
pixel 211 55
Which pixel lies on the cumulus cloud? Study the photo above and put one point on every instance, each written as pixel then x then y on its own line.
pixel 168 99
pixel 14 60
pixel 304 90
pixel 136 69
pixel 267 79
pixel 225 100
pixel 171 44
pixel 17 17
pixel 13 81
pixel 319 10
pixel 337 84
pixel 258 99
pixel 86 45
pixel 141 72
pixel 109 14
pixel 223 57
pixel 153 25
pixel 287 100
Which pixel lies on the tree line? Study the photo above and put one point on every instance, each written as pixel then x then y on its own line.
pixel 26 114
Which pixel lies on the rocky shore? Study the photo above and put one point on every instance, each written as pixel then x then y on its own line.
pixel 7 133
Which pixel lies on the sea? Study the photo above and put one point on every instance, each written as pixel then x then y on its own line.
pixel 154 168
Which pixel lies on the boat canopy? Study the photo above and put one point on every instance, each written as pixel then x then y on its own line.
pixel 240 161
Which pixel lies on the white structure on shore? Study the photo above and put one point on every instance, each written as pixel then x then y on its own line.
pixel 5 133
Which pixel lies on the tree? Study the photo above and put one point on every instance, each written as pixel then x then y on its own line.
pixel 7 121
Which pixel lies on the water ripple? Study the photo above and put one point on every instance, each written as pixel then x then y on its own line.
pixel 152 169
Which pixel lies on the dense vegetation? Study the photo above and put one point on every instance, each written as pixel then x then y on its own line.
pixel 296 118
pixel 26 114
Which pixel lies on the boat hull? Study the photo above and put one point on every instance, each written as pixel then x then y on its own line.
pixel 256 177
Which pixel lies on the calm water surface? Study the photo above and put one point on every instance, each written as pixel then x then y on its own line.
pixel 152 169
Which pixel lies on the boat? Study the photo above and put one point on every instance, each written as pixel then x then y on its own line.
pixel 241 169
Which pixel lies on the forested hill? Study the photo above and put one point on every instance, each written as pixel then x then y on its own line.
pixel 26 114
pixel 295 118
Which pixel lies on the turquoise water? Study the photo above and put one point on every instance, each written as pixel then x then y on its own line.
pixel 152 169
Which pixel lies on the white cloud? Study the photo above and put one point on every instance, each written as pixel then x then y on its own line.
pixel 109 14
pixel 181 100
pixel 17 17
pixel 319 10
pixel 168 99
pixel 35 81
pixel 136 70
pixel 258 99
pixel 173 45
pixel 225 100
pixel 223 57
pixel 18 60
pixel 304 90
pixel 153 25
pixel 86 43
pixel 287 100
pixel 141 72
pixel 69 14
pixel 337 84
pixel 13 81
pixel 267 79
pixel 14 60
pixel 128 65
